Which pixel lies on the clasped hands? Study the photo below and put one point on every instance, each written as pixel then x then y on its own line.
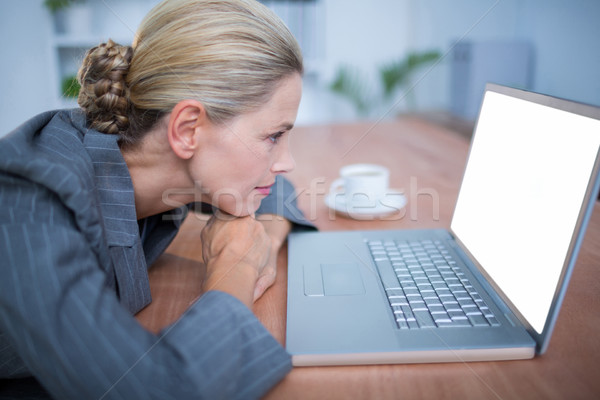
pixel 240 254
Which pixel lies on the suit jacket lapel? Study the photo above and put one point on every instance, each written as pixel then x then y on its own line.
pixel 116 198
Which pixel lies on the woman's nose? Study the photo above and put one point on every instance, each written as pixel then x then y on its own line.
pixel 284 162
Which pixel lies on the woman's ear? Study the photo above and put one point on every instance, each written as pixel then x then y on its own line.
pixel 186 121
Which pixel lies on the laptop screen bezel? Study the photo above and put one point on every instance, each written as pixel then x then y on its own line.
pixel 542 338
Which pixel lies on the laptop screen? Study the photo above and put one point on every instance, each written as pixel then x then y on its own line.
pixel 526 181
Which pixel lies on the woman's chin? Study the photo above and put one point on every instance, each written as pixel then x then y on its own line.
pixel 240 209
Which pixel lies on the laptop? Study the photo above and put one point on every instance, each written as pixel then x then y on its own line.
pixel 490 287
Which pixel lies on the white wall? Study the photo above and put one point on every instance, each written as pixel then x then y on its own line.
pixel 365 34
pixel 26 87
pixel 564 35
pixel 567 38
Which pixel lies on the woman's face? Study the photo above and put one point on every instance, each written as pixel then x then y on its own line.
pixel 238 161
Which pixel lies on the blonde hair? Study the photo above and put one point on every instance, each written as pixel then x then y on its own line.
pixel 227 54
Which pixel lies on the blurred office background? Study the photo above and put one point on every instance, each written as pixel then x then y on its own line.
pixel 436 54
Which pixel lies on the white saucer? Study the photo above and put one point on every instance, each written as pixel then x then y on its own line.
pixel 393 202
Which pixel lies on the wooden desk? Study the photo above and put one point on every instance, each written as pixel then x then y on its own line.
pixel 427 163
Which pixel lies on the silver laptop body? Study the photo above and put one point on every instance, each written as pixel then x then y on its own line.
pixel 528 190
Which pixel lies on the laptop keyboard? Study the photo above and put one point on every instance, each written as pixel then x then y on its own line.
pixel 424 287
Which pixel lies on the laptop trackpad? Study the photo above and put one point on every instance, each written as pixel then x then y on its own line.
pixel 333 280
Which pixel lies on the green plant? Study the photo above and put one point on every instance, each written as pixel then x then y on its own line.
pixel 398 73
pixel 350 83
pixel 70 86
pixel 56 5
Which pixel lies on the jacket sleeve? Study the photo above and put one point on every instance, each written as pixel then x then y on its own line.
pixel 69 330
pixel 282 201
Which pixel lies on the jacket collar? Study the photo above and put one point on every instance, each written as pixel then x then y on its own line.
pixel 115 188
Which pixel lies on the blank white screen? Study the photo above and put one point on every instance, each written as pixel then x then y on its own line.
pixel 524 185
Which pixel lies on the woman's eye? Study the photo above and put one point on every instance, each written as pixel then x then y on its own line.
pixel 275 138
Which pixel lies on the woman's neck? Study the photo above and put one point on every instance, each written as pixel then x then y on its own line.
pixel 158 183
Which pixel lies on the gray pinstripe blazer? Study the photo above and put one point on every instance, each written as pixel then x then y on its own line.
pixel 73 262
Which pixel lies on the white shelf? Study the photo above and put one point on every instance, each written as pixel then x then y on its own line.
pixel 83 26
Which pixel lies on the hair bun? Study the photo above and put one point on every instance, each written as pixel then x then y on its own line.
pixel 104 95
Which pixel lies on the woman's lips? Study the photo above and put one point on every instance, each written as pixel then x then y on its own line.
pixel 264 190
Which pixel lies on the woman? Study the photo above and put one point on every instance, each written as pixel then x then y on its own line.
pixel 198 110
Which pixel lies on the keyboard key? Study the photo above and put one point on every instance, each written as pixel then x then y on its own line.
pixel 432 301
pixel 460 322
pixel 446 297
pixel 444 323
pixel 466 302
pixel 397 300
pixel 441 318
pixel 394 292
pixel 452 306
pixel 402 324
pixel 437 309
pixel 412 323
pixel 457 315
pixel 424 319
pixel 461 296
pixel 477 320
pixel 486 312
pixel 386 272
pixel 417 303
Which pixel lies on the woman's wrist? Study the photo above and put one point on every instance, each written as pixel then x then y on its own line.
pixel 237 280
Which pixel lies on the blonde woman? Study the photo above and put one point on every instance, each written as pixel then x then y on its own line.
pixel 197 111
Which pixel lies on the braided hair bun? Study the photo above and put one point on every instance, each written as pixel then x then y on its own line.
pixel 104 95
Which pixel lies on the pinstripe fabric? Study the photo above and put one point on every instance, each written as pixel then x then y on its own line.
pixel 117 205
pixel 73 270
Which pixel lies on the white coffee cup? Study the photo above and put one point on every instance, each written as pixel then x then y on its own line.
pixel 362 185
